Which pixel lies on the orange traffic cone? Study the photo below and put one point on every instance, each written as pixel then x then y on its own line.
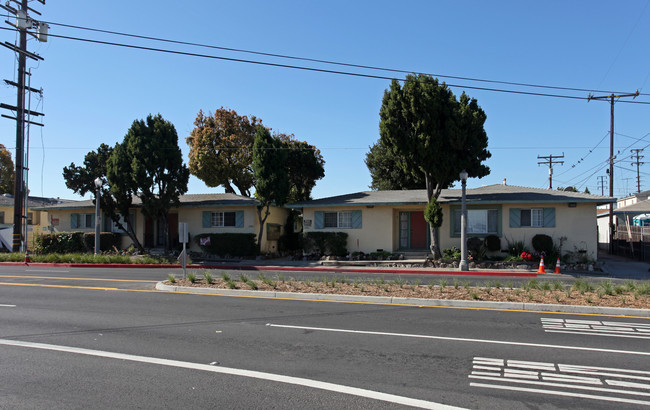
pixel 557 267
pixel 541 266
pixel 26 256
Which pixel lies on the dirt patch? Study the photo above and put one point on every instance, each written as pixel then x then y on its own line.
pixel 630 295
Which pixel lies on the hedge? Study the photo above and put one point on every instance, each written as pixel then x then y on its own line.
pixel 74 242
pixel 326 243
pixel 233 244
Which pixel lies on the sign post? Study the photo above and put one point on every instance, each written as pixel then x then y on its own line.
pixel 183 237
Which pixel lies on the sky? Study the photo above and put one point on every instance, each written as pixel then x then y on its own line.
pixel 93 92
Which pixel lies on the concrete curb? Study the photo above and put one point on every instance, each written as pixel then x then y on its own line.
pixel 532 307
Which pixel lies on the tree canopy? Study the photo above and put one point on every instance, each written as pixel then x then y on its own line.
pixel 157 174
pixel 221 149
pixel 271 174
pixel 381 162
pixel 7 171
pixel 305 166
pixel 440 135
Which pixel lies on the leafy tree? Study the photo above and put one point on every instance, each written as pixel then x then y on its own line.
pixel 587 190
pixel 7 171
pixel 568 189
pixel 221 150
pixel 422 121
pixel 271 175
pixel 305 166
pixel 154 169
pixel 386 175
pixel 81 180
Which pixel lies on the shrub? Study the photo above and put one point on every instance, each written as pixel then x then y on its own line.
pixel 492 243
pixel 515 248
pixel 453 253
pixel 234 244
pixel 543 244
pixel 326 243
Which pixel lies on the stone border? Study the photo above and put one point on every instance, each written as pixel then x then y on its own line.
pixel 536 307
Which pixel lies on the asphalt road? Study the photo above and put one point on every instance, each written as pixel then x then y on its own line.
pixel 104 339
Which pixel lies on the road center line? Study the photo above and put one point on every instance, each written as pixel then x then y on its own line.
pixel 462 339
pixel 7 305
pixel 391 398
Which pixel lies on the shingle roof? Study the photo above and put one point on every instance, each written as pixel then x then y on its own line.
pixel 490 194
pixel 185 200
pixel 638 208
pixel 33 201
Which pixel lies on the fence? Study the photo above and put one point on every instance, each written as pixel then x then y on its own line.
pixel 633 242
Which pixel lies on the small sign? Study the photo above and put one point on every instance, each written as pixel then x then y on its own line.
pixel 183 236
pixel 55 221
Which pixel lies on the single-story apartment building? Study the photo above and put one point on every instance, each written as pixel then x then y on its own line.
pixel 35 223
pixel 394 220
pixel 204 213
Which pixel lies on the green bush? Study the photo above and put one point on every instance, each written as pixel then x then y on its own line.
pixel 73 242
pixel 453 253
pixel 492 243
pixel 543 243
pixel 515 248
pixel 234 244
pixel 107 240
pixel 326 243
pixel 474 244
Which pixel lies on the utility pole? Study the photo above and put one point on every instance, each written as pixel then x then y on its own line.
pixel 548 160
pixel 23 24
pixel 611 158
pixel 601 184
pixel 635 153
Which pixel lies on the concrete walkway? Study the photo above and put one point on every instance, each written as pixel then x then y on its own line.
pixel 624 268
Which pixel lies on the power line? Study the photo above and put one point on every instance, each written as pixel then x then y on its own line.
pixel 313 69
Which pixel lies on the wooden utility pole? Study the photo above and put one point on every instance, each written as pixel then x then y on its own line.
pixel 23 24
pixel 548 160
pixel 611 158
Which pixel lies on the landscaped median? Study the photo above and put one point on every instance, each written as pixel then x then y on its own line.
pixel 581 296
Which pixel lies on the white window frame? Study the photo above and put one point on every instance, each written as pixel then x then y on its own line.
pixel 343 219
pixel 536 218
pixel 218 219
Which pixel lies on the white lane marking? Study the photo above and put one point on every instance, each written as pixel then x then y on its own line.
pixel 562 393
pixel 462 339
pixel 375 395
pixel 47 270
pixel 7 305
pixel 597 328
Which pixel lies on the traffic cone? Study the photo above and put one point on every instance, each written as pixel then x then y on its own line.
pixel 541 266
pixel 26 256
pixel 557 267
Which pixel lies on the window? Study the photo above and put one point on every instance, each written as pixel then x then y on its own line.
pixel 342 219
pixel 30 218
pixel 221 219
pixel 479 221
pixel 2 217
pixel 112 225
pixel 532 217
pixel 82 221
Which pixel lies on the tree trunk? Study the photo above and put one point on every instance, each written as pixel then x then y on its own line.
pixel 165 226
pixel 433 191
pixel 262 221
pixel 131 233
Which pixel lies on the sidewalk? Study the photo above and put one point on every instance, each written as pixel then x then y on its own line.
pixel 624 268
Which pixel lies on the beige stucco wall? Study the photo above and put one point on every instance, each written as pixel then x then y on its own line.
pixel 380 227
pixel 39 225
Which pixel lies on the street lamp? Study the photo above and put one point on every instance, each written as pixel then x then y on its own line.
pixel 463 224
pixel 98 217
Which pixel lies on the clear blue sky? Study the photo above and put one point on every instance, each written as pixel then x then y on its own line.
pixel 92 92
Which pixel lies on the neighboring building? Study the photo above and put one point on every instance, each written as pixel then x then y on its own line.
pixel 394 220
pixel 628 209
pixel 204 213
pixel 36 219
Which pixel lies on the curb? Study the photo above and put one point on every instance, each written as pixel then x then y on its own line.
pixel 532 307
pixel 422 271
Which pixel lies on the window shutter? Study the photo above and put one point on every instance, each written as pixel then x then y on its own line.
pixel 207 219
pixel 239 219
pixel 74 221
pixel 515 217
pixel 319 220
pixel 549 217
pixel 92 221
pixel 457 221
pixel 356 219
pixel 492 221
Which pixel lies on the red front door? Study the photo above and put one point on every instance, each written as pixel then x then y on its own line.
pixel 418 231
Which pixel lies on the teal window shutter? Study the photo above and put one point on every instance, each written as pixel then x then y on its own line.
pixel 92 221
pixel 356 219
pixel 319 220
pixel 207 219
pixel 74 221
pixel 515 217
pixel 549 217
pixel 239 219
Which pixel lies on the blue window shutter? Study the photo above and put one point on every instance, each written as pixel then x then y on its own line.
pixel 515 217
pixel 92 221
pixel 74 221
pixel 356 219
pixel 319 220
pixel 207 219
pixel 549 217
pixel 239 219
